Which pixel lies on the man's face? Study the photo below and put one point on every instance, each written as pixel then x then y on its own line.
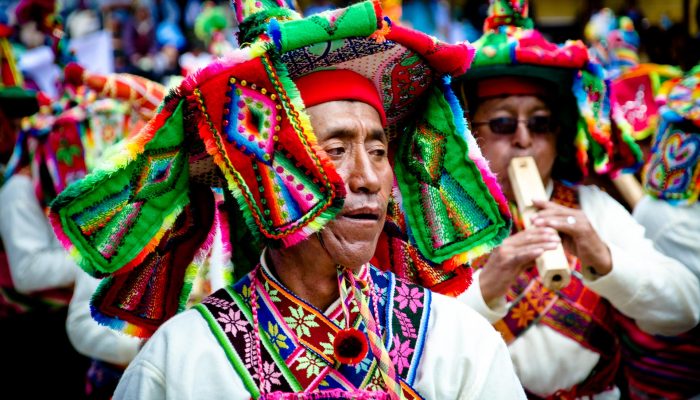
pixel 352 136
pixel 500 147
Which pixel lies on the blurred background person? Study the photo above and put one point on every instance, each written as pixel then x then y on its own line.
pixel 529 97
pixel 655 366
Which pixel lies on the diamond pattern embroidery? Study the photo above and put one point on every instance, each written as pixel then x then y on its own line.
pixel 255 117
pixel 159 170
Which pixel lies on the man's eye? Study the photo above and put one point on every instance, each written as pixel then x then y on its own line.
pixel 335 151
pixel 378 152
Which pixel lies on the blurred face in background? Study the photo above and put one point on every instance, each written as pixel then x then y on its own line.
pixel 515 126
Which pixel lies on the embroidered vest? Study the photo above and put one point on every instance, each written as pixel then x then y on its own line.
pixel 296 339
pixel 660 367
pixel 576 312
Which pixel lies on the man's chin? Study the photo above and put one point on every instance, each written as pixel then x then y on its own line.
pixel 353 261
pixel 351 242
pixel 350 254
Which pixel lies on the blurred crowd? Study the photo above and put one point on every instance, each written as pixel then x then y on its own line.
pixel 80 76
pixel 160 39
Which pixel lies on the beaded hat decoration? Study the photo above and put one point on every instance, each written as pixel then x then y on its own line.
pixel 240 124
pixel 633 97
pixel 511 47
pixel 672 172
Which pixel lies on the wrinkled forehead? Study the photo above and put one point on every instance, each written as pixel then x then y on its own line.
pixel 346 119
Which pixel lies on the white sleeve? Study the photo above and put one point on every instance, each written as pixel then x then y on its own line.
pixel 675 230
pixel 658 292
pixel 472 297
pixel 181 361
pixel 37 260
pixel 501 381
pixel 142 380
pixel 464 357
pixel 90 338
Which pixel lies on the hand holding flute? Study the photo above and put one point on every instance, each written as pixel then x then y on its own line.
pixel 524 177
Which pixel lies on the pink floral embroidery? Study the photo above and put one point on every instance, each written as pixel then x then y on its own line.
pixel 269 376
pixel 232 321
pixel 407 328
pixel 250 357
pixel 399 354
pixel 217 302
pixel 410 296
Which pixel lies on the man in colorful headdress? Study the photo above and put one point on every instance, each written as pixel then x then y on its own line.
pixel 529 97
pixel 634 86
pixel 659 366
pixel 35 273
pixel 295 127
pixel 55 147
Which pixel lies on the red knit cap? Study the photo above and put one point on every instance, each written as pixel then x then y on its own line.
pixel 336 85
pixel 508 86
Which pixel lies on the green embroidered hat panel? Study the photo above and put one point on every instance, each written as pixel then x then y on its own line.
pixel 114 215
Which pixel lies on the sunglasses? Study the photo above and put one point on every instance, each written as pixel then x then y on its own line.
pixel 508 126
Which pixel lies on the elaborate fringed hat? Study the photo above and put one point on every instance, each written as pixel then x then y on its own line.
pixel 60 142
pixel 613 42
pixel 511 47
pixel 144 220
pixel 672 172
pixel 118 105
pixel 634 93
pixel 50 142
pixel 142 94
pixel 634 86
pixel 596 34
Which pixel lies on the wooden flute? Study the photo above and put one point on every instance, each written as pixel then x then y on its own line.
pixel 526 183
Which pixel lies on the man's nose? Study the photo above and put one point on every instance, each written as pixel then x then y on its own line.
pixel 522 138
pixel 363 178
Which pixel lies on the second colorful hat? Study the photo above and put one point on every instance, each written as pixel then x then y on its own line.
pixel 511 47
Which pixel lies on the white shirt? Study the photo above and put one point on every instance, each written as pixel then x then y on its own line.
pixel 661 295
pixel 464 358
pixel 675 230
pixel 90 338
pixel 37 260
